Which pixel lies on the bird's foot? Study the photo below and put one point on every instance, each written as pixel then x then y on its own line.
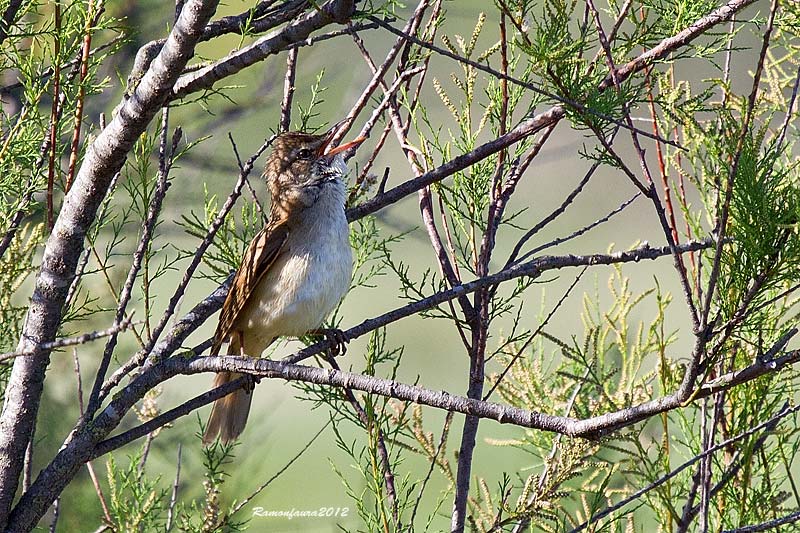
pixel 336 337
pixel 250 382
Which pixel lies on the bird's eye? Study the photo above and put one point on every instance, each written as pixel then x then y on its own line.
pixel 305 153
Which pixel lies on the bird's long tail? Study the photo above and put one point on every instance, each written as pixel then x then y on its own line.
pixel 229 413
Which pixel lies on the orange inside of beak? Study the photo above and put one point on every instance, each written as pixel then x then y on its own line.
pixel 345 146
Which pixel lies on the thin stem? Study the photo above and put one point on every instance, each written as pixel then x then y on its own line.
pixel 173 499
pixel 386 466
pixel 722 220
pixel 139 256
pixel 283 469
pixel 288 90
pixel 70 341
pixel 84 69
pixel 54 115
pixel 95 483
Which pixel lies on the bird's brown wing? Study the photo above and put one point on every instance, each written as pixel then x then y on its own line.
pixel 257 260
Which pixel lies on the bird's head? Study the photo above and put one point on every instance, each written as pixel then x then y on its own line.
pixel 303 166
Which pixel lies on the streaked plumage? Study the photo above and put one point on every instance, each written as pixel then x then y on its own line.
pixel 295 271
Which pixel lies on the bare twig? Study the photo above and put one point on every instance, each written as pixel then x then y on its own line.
pixel 70 341
pixel 766 526
pixel 557 212
pixel 288 90
pixel 101 214
pixel 27 470
pixel 84 69
pixel 377 74
pixel 772 422
pixel 250 189
pixel 790 109
pixel 89 467
pixel 662 168
pixel 530 339
pixel 439 447
pixel 265 368
pixel 524 129
pixel 729 474
pixel 173 499
pixel 166 417
pixel 577 233
pixel 650 190
pixel 532 269
pixel 139 256
pixel 393 109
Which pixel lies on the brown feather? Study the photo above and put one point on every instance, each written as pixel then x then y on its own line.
pixel 229 414
pixel 289 173
pixel 259 257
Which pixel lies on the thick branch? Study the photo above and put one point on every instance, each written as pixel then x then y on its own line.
pixel 104 158
pixel 79 448
pixel 277 41
pixel 266 368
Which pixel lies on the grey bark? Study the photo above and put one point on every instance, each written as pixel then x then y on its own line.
pixel 104 158
pixel 277 41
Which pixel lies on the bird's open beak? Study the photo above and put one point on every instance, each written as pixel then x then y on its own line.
pixel 325 149
pixel 346 146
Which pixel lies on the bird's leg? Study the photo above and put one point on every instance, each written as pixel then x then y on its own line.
pixel 336 337
pixel 250 380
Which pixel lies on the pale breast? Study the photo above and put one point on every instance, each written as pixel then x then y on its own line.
pixel 306 282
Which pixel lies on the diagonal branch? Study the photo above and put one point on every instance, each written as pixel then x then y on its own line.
pixel 277 41
pixel 81 444
pixel 104 158
pixel 532 269
pixel 538 122
pixel 266 368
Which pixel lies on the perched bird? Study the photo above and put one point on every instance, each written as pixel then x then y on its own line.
pixel 295 271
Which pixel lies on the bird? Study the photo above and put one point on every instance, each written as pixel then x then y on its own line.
pixel 294 272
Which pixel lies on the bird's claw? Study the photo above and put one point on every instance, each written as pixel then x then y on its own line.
pixel 338 341
pixel 250 382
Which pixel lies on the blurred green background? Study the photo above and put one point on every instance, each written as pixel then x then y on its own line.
pixel 280 424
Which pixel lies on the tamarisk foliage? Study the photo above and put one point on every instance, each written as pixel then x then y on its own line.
pixel 592 205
